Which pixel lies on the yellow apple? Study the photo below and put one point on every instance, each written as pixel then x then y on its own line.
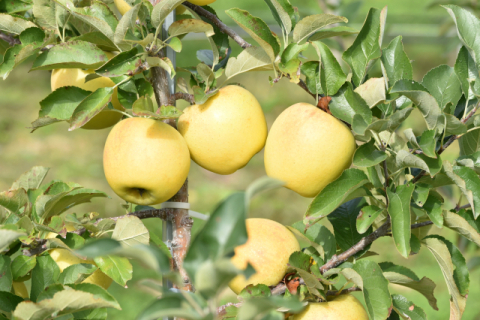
pixel 201 2
pixel 122 6
pixel 307 149
pixel 64 259
pixel 268 250
pixel 20 289
pixel 180 10
pixel 342 307
pixel 76 77
pixel 225 132
pixel 145 161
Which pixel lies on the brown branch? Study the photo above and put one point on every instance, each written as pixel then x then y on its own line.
pixel 421 224
pixel 217 22
pixel 9 38
pixel 334 293
pixel 182 96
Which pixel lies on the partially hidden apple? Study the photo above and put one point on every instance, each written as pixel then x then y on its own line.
pixel 145 161
pixel 76 77
pixel 225 132
pixel 342 307
pixel 307 149
pixel 20 289
pixel 268 250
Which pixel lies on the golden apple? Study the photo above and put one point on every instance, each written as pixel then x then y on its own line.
pixel 202 2
pixel 307 149
pixel 342 307
pixel 180 10
pixel 145 161
pixel 122 6
pixel 20 289
pixel 64 259
pixel 268 250
pixel 76 77
pixel 225 132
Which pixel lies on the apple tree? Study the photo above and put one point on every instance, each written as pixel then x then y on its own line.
pixel 114 64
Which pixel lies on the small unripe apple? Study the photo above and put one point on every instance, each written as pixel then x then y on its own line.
pixel 145 161
pixel 20 289
pixel 268 250
pixel 342 307
pixel 64 259
pixel 307 149
pixel 76 77
pixel 225 132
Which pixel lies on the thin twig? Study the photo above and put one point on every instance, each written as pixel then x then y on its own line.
pixel 183 96
pixel 222 26
pixel 421 224
pixel 8 38
pixel 333 293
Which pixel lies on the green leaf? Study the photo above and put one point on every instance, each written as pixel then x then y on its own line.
pixel 395 63
pixel 466 23
pixel 123 63
pixel 15 6
pixel 346 103
pixel 90 107
pixel 301 263
pixel 61 103
pixel 31 179
pixel 76 273
pixel 14 24
pixel 284 13
pixel 261 184
pixel 428 143
pixel 260 307
pixel 332 76
pixel 317 236
pixel 375 289
pixel 63 302
pixel 162 9
pixel 9 60
pixel 45 273
pixel 5 270
pixel 311 70
pixel 7 237
pixel 97 16
pixel 8 302
pixel 214 276
pixel 443 85
pixel 454 126
pixel 405 277
pixel 367 155
pixel 344 222
pixel 22 265
pixel 127 22
pixel 460 225
pixel 97 38
pixel 73 54
pixel 44 13
pixel 470 142
pixel 332 32
pixel 258 30
pixel 117 268
pixel 292 51
pixel 366 217
pixel 210 243
pixel 95 314
pixel 423 100
pixel 335 193
pixel 406 308
pixel 471 186
pixel 254 291
pixel 433 207
pixel 171 304
pixel 365 48
pixel 372 91
pixel 405 159
pixel 399 211
pixel 438 246
pixel 311 24
pixel 190 25
pixel 130 231
pixel 14 200
pixel 466 71
pixel 143 107
pixel 99 247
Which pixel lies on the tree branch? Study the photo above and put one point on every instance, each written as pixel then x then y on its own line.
pixel 8 38
pixel 183 96
pixel 222 26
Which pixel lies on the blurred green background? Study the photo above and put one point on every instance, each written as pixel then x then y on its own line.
pixel 77 156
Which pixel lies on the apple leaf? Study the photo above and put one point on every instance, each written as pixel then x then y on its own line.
pixel 443 84
pixel 127 22
pixel 454 271
pixel 311 24
pixel 61 103
pixel 124 63
pixel 367 155
pixel 45 273
pixel 171 304
pixel 459 224
pixel 470 142
pixel 8 302
pixel 117 268
pixel 366 217
pixel 466 71
pixel 5 270
pixel 399 211
pixel 76 273
pixel 332 76
pixel 468 182
pixel 190 25
pixel 284 13
pixel 162 9
pixel 406 308
pixel 258 30
pixel 97 38
pixel 261 184
pixel 317 236
pixel 14 24
pixel 14 200
pixel 8 236
pixel 90 107
pixel 335 193
pixel 395 63
pixel 375 289
pixel 372 91
pixel 346 103
pixel 267 307
pixel 99 247
pixel 365 48
pixel 332 32
pixel 22 265
pixel 130 231
pixel 31 179
pixel 311 70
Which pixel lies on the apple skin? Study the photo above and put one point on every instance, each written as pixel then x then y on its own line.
pixel 342 307
pixel 64 259
pixel 225 132
pixel 268 250
pixel 76 77
pixel 20 289
pixel 307 149
pixel 202 2
pixel 145 161
pixel 122 6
